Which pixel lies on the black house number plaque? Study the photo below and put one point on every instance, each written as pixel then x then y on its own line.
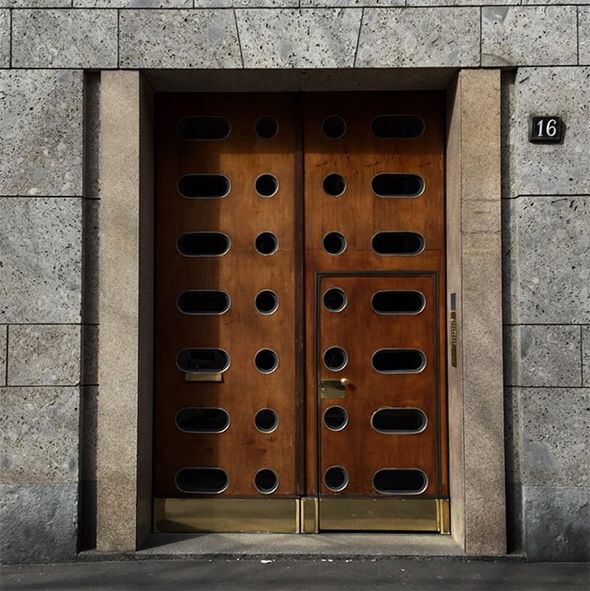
pixel 546 130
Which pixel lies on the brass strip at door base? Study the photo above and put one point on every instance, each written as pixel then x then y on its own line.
pixel 227 515
pixel 383 514
pixel 307 515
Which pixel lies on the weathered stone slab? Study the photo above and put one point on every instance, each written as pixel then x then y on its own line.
pixel 64 38
pixel 246 3
pixel 543 356
pixel 557 523
pixel 39 522
pixel 133 3
pixel 40 260
pixel 556 436
pixel 531 36
pixel 419 37
pixel 178 39
pixel 4 38
pixel 44 355
pixel 586 354
pixel 35 3
pixel 436 3
pixel 584 35
pixel 39 435
pixel 552 169
pixel 551 252
pixel 324 38
pixel 348 3
pixel 3 329
pixel 41 130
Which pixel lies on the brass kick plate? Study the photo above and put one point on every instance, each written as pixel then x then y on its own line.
pixel 333 388
pixel 203 377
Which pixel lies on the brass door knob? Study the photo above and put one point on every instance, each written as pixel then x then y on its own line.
pixel 344 382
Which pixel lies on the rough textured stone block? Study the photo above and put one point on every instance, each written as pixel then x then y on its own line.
pixel 419 37
pixel 557 523
pixel 460 2
pixel 44 355
pixel 309 38
pixel 543 356
pixel 40 260
pixel 586 354
pixel 552 169
pixel 41 130
pixel 4 38
pixel 551 252
pixel 534 36
pixel 64 38
pixel 133 3
pixel 584 35
pixel 35 3
pixel 349 3
pixel 178 39
pixel 40 432
pixel 39 523
pixel 246 3
pixel 3 329
pixel 556 436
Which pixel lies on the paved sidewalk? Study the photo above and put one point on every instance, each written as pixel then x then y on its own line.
pixel 296 575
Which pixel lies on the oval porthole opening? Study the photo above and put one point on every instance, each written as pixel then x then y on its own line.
pixel 334 185
pixel 399 420
pixel 398 302
pixel 266 420
pixel 202 481
pixel 204 186
pixel 336 478
pixel 266 302
pixel 397 126
pixel 334 243
pixel 266 481
pixel 396 184
pixel 398 361
pixel 266 360
pixel 334 127
pixel 266 185
pixel 203 360
pixel 400 481
pixel 266 243
pixel 335 358
pixel 202 420
pixel 335 418
pixel 267 127
pixel 335 299
pixel 203 302
pixel 203 244
pixel 398 243
pixel 204 128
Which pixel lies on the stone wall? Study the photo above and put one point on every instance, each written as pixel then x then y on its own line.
pixel 48 204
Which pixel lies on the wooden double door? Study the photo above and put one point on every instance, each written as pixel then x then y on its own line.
pixel 300 313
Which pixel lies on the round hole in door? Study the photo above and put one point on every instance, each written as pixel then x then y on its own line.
pixel 267 127
pixel 203 302
pixel 267 301
pixel 400 481
pixel 335 299
pixel 335 358
pixel 266 360
pixel 334 243
pixel 398 361
pixel 266 243
pixel 335 418
pixel 202 420
pixel 336 478
pixel 334 185
pixel 267 185
pixel 266 420
pixel 399 420
pixel 202 481
pixel 334 127
pixel 266 481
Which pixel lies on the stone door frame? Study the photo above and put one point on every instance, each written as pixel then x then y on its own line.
pixel 125 356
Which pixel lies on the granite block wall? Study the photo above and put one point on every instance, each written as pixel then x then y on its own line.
pixel 49 53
